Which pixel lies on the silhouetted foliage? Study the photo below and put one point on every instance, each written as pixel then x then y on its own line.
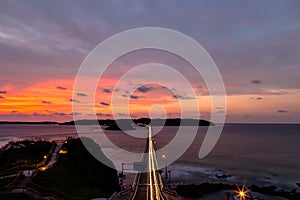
pixel 78 173
pixel 126 123
pixel 23 153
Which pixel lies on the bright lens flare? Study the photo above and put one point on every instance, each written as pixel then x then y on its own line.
pixel 242 193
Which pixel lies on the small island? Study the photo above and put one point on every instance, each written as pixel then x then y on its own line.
pixel 122 124
pixel 128 124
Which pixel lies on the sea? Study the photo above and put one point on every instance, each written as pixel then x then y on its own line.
pixel 261 154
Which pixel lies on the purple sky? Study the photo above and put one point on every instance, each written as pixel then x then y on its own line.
pixel 255 44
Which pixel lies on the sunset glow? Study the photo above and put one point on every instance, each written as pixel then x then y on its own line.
pixel 259 63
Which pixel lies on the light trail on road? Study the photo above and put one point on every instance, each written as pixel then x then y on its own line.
pixel 148 185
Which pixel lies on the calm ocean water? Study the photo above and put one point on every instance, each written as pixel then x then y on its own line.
pixel 260 154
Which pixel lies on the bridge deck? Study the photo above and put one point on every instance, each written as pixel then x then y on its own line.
pixel 148 185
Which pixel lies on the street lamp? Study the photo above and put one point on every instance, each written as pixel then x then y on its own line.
pixel 166 166
pixel 242 193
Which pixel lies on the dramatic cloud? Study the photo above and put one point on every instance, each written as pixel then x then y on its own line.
pixel 282 111
pixel 39 114
pixel 256 82
pixel 46 102
pixel 105 90
pixel 103 115
pixel 257 98
pixel 60 114
pixel 144 89
pixel 177 96
pixel 81 94
pixel 48 41
pixel 104 104
pixel 134 97
pixel 74 100
pixel 3 92
pixel 61 88
pixel 181 97
pixel 76 113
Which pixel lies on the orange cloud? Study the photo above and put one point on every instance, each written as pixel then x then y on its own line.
pixel 53 99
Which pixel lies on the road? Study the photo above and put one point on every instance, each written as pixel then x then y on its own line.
pixel 54 155
pixel 148 185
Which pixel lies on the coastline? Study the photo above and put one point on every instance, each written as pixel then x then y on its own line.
pixel 202 171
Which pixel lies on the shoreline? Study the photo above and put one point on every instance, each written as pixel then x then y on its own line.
pixel 207 169
pixel 185 173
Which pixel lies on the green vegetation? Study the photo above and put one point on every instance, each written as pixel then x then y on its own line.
pixel 78 173
pixel 23 154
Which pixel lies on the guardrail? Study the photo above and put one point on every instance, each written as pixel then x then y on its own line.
pixel 136 187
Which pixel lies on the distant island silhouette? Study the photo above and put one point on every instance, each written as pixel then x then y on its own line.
pixel 125 124
pixel 22 122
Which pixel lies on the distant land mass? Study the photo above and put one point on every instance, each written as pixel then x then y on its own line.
pixel 126 124
pixel 19 122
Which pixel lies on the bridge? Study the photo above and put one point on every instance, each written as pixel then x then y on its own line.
pixel 148 184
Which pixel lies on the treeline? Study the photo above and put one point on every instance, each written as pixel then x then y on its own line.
pixel 23 154
pixel 143 121
pixel 17 122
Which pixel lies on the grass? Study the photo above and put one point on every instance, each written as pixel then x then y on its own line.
pixel 79 174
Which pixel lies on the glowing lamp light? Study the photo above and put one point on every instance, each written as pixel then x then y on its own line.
pixel 63 151
pixel 45 157
pixel 242 193
pixel 43 168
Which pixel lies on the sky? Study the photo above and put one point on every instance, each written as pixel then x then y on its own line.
pixel 255 44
